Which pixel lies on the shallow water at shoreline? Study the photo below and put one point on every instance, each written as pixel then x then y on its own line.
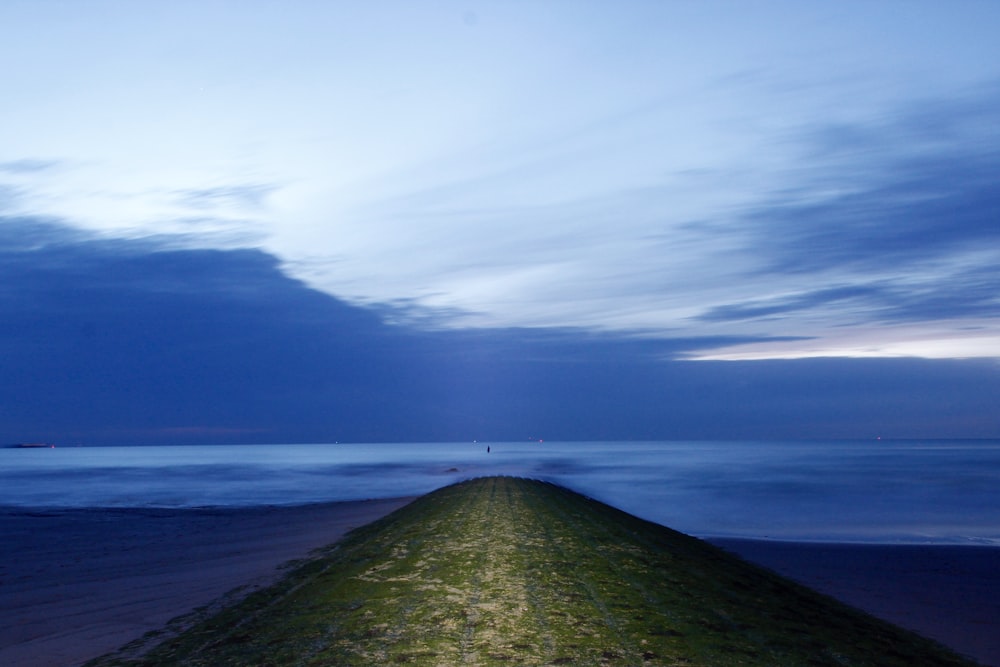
pixel 942 492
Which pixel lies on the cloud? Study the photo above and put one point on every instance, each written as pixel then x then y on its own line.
pixel 8 196
pixel 969 294
pixel 106 331
pixel 27 166
pixel 886 215
pixel 248 196
pixel 129 341
pixel 15 170
pixel 785 306
pixel 913 188
pixel 885 223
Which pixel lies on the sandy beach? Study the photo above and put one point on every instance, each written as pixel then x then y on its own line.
pixel 75 584
pixel 947 593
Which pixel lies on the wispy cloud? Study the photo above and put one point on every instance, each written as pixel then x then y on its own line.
pixel 884 222
pixel 914 187
pixel 8 196
pixel 27 166
pixel 248 196
pixel 887 220
pixel 783 307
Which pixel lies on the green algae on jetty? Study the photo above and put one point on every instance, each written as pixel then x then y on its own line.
pixel 511 571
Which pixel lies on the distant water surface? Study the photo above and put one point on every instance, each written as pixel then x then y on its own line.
pixel 877 491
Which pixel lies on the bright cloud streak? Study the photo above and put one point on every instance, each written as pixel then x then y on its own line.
pixel 719 169
pixel 930 341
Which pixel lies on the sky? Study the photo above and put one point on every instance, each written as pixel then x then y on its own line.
pixel 303 221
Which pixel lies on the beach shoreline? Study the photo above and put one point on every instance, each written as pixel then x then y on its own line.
pixel 950 593
pixel 79 583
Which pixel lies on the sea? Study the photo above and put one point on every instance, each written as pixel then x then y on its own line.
pixel 878 491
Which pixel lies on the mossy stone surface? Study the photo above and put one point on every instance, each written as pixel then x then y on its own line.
pixel 505 571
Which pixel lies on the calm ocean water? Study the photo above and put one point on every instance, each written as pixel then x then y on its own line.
pixel 902 491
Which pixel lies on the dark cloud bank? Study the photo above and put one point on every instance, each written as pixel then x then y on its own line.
pixel 129 342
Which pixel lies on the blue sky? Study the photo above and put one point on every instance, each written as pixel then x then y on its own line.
pixel 474 201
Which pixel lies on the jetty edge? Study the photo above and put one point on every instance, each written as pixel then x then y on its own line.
pixel 500 570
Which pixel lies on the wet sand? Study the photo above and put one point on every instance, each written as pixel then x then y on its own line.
pixel 75 584
pixel 947 593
